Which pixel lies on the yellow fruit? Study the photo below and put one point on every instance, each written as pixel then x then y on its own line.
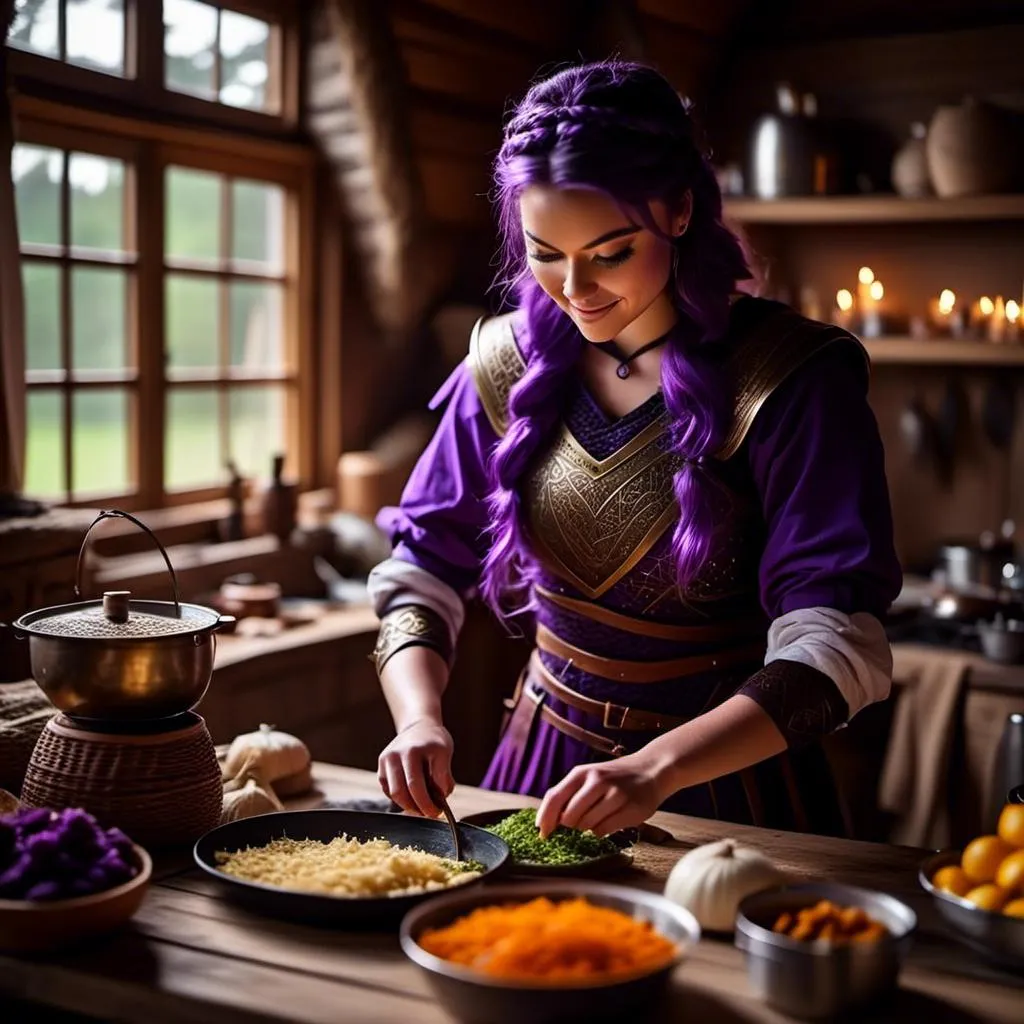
pixel 988 897
pixel 1010 875
pixel 982 857
pixel 1015 908
pixel 1011 825
pixel 952 879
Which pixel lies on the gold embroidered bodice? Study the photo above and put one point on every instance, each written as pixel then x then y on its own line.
pixel 593 520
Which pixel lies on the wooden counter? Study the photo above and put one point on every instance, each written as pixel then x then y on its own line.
pixel 189 956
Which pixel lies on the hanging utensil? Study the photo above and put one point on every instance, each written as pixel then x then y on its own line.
pixel 999 410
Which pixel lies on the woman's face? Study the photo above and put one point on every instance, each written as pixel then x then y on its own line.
pixel 606 271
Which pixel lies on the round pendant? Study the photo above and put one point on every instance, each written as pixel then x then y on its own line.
pixel 622 372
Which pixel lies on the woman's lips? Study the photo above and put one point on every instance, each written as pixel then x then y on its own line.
pixel 592 314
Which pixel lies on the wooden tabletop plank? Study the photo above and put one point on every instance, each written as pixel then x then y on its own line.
pixel 192 956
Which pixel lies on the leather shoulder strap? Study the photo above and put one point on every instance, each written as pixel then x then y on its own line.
pixel 773 350
pixel 496 364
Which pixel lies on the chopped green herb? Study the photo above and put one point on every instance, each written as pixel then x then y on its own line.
pixel 565 846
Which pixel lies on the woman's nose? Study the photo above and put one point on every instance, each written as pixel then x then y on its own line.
pixel 577 284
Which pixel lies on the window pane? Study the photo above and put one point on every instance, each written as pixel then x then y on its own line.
pixel 244 51
pixel 193 214
pixel 97 201
pixel 256 326
pixel 37 172
pixel 257 432
pixel 257 223
pixel 44 466
pixel 95 34
pixel 192 446
pixel 190 304
pixel 99 442
pixel 42 315
pixel 99 304
pixel 190 41
pixel 36 27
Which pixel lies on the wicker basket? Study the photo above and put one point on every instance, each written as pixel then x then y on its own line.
pixel 24 712
pixel 162 789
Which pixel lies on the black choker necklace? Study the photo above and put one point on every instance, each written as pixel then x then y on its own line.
pixel 613 350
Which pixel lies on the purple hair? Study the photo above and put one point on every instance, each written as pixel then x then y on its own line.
pixel 619 128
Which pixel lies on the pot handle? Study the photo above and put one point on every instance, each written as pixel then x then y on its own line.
pixel 116 513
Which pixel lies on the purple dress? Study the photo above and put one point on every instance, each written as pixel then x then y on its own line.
pixel 807 524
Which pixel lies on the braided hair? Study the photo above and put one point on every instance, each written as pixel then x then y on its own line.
pixel 622 129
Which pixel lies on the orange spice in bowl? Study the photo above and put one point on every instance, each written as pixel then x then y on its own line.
pixel 826 921
pixel 565 942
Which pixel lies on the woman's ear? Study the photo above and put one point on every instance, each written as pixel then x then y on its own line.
pixel 681 220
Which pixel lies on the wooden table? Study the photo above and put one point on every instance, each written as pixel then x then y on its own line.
pixel 189 956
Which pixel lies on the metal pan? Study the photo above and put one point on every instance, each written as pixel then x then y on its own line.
pixel 324 825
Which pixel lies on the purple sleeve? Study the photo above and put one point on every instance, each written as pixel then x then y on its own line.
pixel 441 521
pixel 819 468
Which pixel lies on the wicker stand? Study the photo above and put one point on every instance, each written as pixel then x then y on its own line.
pixel 162 788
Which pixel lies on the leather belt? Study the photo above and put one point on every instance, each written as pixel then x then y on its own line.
pixel 743 629
pixel 644 671
pixel 613 716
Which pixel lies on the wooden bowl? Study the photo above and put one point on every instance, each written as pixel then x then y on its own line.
pixel 162 789
pixel 28 926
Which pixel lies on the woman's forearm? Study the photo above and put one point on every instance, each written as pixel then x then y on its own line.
pixel 735 735
pixel 413 681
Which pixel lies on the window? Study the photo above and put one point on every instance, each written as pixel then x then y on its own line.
pixel 87 33
pixel 166 329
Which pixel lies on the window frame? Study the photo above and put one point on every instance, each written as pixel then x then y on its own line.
pixel 149 145
pixel 142 88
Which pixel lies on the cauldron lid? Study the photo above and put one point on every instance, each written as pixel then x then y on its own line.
pixel 121 620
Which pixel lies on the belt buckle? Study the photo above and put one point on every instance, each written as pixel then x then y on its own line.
pixel 608 705
pixel 537 696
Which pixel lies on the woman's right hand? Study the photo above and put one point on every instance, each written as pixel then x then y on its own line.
pixel 421 751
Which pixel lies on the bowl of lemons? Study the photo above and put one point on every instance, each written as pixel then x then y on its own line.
pixel 979 891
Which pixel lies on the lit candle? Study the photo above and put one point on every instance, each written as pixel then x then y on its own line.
pixel 943 316
pixel 865 277
pixel 997 321
pixel 842 315
pixel 980 313
pixel 1013 324
pixel 871 316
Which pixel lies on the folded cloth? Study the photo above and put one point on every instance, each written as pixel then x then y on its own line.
pixel 915 774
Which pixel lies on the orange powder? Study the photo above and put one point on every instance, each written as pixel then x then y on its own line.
pixel 570 941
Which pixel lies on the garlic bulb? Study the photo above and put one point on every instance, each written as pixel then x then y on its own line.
pixel 248 801
pixel 277 754
pixel 8 802
pixel 711 880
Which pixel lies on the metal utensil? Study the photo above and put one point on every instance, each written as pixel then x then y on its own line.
pixel 438 797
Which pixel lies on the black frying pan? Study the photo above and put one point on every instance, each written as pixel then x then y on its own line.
pixel 324 825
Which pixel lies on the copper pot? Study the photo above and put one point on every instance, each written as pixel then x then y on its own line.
pixel 119 658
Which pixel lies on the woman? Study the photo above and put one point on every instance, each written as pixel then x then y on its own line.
pixel 679 490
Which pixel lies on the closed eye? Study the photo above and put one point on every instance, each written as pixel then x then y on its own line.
pixel 544 257
pixel 616 259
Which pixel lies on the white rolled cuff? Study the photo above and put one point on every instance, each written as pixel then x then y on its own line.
pixel 396 583
pixel 852 650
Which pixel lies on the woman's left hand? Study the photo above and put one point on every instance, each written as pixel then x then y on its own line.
pixel 605 797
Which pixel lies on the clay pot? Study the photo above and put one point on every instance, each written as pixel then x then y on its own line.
pixel 974 149
pixel 910 174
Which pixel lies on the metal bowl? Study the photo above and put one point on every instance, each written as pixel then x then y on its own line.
pixel 324 825
pixel 996 937
pixel 817 979
pixel 474 997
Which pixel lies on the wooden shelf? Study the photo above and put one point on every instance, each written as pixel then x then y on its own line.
pixel 942 352
pixel 879 209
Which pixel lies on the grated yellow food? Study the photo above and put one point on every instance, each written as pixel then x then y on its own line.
pixel 345 867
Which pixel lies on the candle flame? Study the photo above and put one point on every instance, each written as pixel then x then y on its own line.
pixel 844 299
pixel 876 291
pixel 865 275
pixel 986 305
pixel 1012 311
pixel 947 300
